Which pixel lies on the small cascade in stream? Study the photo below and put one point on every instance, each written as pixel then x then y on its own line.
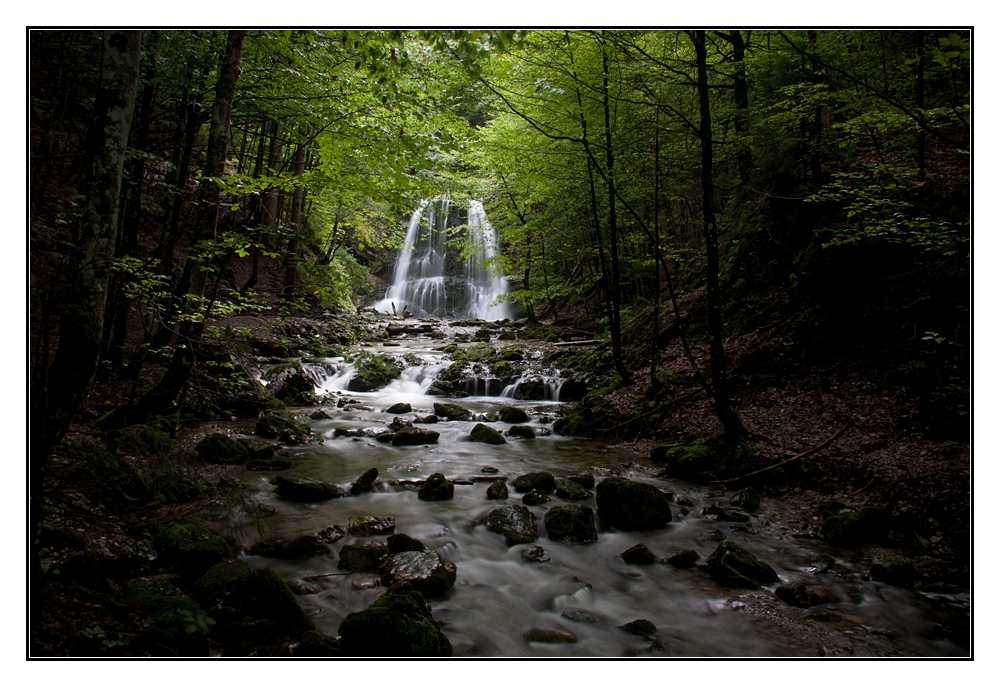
pixel 429 282
pixel 330 376
pixel 534 384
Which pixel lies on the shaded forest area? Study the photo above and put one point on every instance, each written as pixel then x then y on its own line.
pixel 768 232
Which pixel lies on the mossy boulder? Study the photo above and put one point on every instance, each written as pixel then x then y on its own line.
pixel 282 425
pixel 436 488
pixel 638 555
pixel 306 489
pixel 398 623
pixel 513 415
pixel 365 482
pixel 748 499
pixel 452 411
pixel 486 435
pixel 521 432
pixel 398 543
pixel 733 566
pixel 399 408
pixel 268 596
pixel 854 528
pixel 497 490
pixel 258 449
pixel 640 627
pixel 430 573
pixel 515 523
pixel 584 479
pixel 543 481
pixel 571 523
pixel 630 505
pixel 684 559
pixel 374 372
pixel 571 491
pixel 315 644
pixel 191 546
pixel 172 620
pixel 414 436
pixel 372 526
pixel 585 418
pixel 362 556
pixel 290 384
pixel 219 448
pixel 703 463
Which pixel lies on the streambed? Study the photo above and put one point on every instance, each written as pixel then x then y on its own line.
pixel 587 590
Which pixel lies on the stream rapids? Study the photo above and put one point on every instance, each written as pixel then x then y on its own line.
pixel 586 589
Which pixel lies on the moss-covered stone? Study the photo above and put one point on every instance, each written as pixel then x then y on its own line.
pixel 191 546
pixel 486 435
pixel 584 479
pixel 399 408
pixel 733 566
pixel 306 490
pixel 315 644
pixel 430 573
pixel 640 627
pixel 374 371
pixel 497 490
pixel 639 555
pixel 515 523
pixel 716 459
pixel 414 436
pixel 630 505
pixel 585 418
pixel 398 623
pixel 521 432
pixel 365 482
pixel 854 528
pixel 571 491
pixel 398 543
pixel 219 448
pixel 362 556
pixel 513 415
pixel 282 425
pixel 571 523
pixel 290 384
pixel 452 411
pixel 543 481
pixel 268 596
pixel 436 488
pixel 684 559
pixel 172 620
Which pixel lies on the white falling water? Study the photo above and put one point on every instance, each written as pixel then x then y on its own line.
pixel 425 284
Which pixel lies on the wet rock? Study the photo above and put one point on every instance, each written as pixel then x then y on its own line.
pixel 282 425
pixel 630 505
pixel 803 596
pixel 684 501
pixel 399 408
pixel 436 488
pixel 571 491
pixel 191 547
pixel 399 423
pixel 730 513
pixel 299 548
pixel 291 384
pixel 684 559
pixel 513 415
pixel 571 523
pixel 365 482
pixel 235 591
pixel 272 465
pixel 314 644
pixel 896 573
pixel 319 415
pixel 497 490
pixel 733 566
pixel 489 470
pixel 414 436
pixel 398 623
pixel 372 526
pixel 258 449
pixel 640 627
pixel 515 523
pixel 362 556
pixel 385 438
pixel 429 572
pixel 714 535
pixel 748 499
pixel 170 618
pixel 219 448
pixel 548 635
pixel 452 411
pixel 639 555
pixel 487 435
pixel 521 432
pixel 581 615
pixel 373 432
pixel 426 420
pixel 344 432
pixel 306 490
pixel 534 498
pixel 543 481
pixel 584 479
pixel 332 533
pixel 398 543
pixel 536 554
pixel 300 588
pixel 374 371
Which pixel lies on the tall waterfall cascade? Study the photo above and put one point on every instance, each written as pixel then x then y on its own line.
pixel 430 280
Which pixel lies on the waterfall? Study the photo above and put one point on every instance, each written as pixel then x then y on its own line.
pixel 429 284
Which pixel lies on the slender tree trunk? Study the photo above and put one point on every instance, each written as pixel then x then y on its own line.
pixel 81 318
pixel 292 277
pixel 921 134
pixel 741 98
pixel 720 384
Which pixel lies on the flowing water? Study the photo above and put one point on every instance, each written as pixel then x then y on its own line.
pixel 498 596
pixel 427 280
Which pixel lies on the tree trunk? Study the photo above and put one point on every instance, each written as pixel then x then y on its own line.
pixel 741 98
pixel 720 385
pixel 292 278
pixel 81 319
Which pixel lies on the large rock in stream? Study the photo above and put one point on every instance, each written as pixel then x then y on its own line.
pixel 630 505
pixel 362 556
pixel 733 566
pixel 306 490
pixel 398 623
pixel 414 436
pixel 218 448
pixel 452 411
pixel 436 488
pixel 571 523
pixel 282 425
pixel 515 523
pixel 365 482
pixel 542 481
pixel 429 572
pixel 486 435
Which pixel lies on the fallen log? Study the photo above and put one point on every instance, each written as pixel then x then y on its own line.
pixel 589 342
pixel 421 329
pixel 787 460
